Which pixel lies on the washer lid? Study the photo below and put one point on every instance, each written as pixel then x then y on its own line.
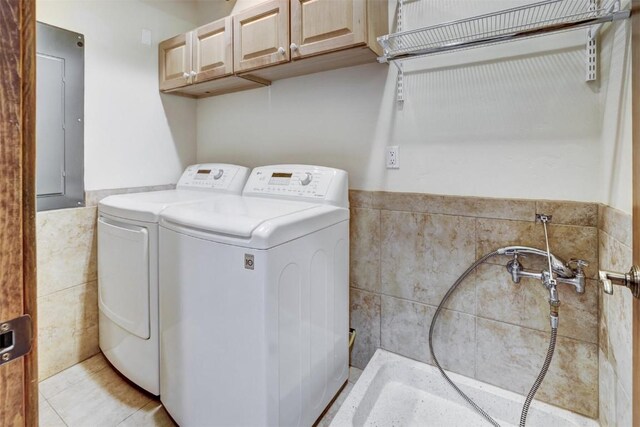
pixel 147 206
pixel 256 222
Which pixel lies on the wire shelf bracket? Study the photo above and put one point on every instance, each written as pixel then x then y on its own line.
pixel 400 78
pixel 592 47
pixel 536 19
pixel 592 39
pixel 400 84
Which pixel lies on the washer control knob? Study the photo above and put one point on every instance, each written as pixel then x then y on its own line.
pixel 307 179
pixel 218 174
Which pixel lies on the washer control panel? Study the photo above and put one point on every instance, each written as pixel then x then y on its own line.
pixel 210 176
pixel 291 181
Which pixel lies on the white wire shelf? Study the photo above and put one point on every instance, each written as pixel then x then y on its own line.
pixel 531 20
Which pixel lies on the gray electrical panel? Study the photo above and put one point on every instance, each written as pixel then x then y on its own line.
pixel 59 118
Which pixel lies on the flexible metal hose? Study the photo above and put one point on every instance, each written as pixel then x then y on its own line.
pixel 541 375
pixel 553 305
pixel 432 328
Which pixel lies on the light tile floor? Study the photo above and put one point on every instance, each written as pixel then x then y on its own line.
pixel 92 394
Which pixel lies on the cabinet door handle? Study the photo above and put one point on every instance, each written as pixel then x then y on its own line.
pixel 281 50
pixel 293 47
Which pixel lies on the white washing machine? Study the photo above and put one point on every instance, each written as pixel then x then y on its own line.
pixel 254 298
pixel 128 267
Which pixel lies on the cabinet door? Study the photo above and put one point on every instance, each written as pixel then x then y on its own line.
pixel 261 35
pixel 319 26
pixel 213 51
pixel 174 57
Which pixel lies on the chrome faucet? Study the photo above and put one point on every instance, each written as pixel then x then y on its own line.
pixel 557 265
pixel 571 273
pixel 579 279
pixel 558 271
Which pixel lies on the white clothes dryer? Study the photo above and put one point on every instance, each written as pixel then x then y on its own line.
pixel 255 313
pixel 128 267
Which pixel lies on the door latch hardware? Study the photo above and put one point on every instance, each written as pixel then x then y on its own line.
pixel 15 338
pixel 630 280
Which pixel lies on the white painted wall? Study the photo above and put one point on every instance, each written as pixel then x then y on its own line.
pixel 133 135
pixel 616 130
pixel 212 10
pixel 516 120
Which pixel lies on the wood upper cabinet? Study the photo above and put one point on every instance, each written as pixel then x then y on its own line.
pixel 200 55
pixel 261 35
pixel 212 50
pixel 328 34
pixel 174 56
pixel 200 63
pixel 255 46
pixel 320 26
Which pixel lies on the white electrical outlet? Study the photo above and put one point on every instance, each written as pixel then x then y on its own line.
pixel 393 161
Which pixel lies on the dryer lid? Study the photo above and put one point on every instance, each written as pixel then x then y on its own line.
pixel 198 182
pixel 147 206
pixel 265 222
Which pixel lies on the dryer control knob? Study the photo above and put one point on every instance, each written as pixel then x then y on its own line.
pixel 218 174
pixel 307 179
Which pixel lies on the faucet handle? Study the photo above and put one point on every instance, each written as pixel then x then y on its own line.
pixel 580 264
pixel 518 256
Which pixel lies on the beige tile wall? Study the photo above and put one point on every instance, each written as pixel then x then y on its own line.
pixel 615 321
pixel 408 249
pixel 67 283
pixel 67 288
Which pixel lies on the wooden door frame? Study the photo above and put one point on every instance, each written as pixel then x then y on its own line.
pixel 635 120
pixel 19 378
pixel 18 16
pixel 28 36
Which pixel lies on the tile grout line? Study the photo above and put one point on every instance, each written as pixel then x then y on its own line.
pixel 600 303
pixel 475 314
pixel 131 415
pixel 466 215
pixel 379 287
pixel 610 236
pixel 419 302
pixel 475 349
pixel 479 216
pixel 54 410
pixel 134 412
pixel 479 316
pixel 91 374
pixel 68 288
